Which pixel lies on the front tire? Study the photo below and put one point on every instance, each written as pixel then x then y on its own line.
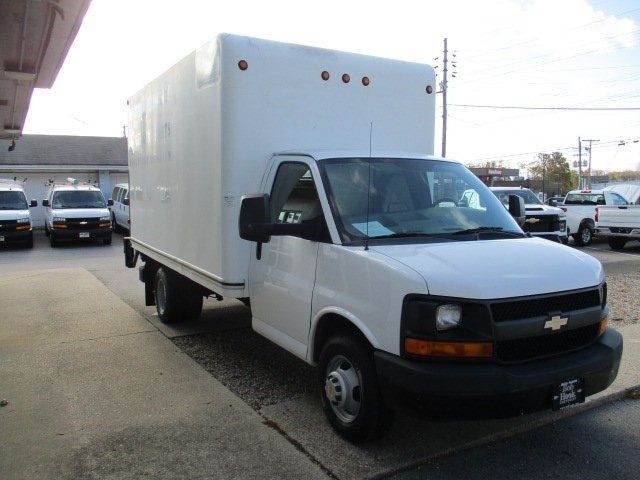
pixel 29 242
pixel 348 383
pixel 107 241
pixel 617 243
pixel 176 298
pixel 52 241
pixel 584 236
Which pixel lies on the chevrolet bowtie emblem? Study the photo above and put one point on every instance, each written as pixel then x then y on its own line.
pixel 556 323
pixel 532 220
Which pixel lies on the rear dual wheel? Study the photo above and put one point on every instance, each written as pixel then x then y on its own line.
pixel 617 243
pixel 178 299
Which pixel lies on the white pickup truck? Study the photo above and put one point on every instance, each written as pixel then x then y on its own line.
pixel 619 223
pixel 301 181
pixel 580 206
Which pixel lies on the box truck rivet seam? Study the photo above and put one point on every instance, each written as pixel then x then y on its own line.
pixel 358 251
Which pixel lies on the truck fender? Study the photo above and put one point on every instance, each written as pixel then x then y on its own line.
pixel 355 322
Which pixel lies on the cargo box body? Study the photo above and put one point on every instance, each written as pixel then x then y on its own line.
pixel 201 135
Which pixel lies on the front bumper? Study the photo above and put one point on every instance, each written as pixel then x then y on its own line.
pixel 491 390
pixel 69 235
pixel 16 236
pixel 559 236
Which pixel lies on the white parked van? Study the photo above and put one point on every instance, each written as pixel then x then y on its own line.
pixel 16 226
pixel 76 212
pixel 301 181
pixel 120 208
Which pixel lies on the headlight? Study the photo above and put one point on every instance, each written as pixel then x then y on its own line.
pixel 23 220
pixel 105 219
pixel 59 220
pixel 562 224
pixel 448 316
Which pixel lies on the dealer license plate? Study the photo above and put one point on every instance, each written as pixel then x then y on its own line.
pixel 83 234
pixel 568 393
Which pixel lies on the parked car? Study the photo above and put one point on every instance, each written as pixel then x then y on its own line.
pixel 555 201
pixel 76 212
pixel 120 208
pixel 16 225
pixel 619 224
pixel 580 206
pixel 359 258
pixel 541 220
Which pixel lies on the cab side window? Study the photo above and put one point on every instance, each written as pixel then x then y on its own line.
pixel 294 198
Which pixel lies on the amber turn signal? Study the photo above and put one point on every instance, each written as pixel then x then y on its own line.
pixel 603 325
pixel 430 348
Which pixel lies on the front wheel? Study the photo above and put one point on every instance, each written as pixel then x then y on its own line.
pixel 584 236
pixel 617 243
pixel 351 398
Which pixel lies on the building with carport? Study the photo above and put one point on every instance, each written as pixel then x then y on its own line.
pixel 42 159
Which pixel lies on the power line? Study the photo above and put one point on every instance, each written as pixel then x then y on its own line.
pixel 518 107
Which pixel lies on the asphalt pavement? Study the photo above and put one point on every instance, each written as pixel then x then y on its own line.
pixel 603 443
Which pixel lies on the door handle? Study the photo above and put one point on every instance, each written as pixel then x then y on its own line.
pixel 259 250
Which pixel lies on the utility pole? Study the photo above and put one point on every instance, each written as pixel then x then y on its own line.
pixel 579 163
pixel 444 101
pixel 589 174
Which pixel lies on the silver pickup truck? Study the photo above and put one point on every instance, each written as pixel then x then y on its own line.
pixel 619 223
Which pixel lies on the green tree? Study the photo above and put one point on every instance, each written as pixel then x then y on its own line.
pixel 553 168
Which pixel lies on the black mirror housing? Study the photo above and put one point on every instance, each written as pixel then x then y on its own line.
pixel 254 222
pixel 45 203
pixel 34 203
pixel 553 203
pixel 125 201
pixel 517 208
pixel 110 203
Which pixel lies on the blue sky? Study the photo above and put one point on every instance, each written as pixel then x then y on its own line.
pixel 544 53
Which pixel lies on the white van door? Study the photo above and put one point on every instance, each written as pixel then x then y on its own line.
pixel 282 272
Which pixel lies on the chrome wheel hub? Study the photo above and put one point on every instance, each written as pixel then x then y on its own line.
pixel 342 388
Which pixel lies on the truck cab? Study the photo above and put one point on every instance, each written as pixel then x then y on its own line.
pixel 16 226
pixel 76 212
pixel 581 207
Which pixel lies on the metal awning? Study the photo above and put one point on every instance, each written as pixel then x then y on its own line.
pixel 35 36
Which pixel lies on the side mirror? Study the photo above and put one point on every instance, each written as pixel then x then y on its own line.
pixel 34 203
pixel 553 202
pixel 45 203
pixel 110 203
pixel 254 222
pixel 125 201
pixel 517 209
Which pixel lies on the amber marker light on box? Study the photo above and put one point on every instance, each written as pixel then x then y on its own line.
pixel 325 75
pixel 243 65
pixel 429 89
pixel 346 78
pixel 430 348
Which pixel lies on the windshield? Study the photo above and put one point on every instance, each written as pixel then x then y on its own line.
pixel 410 197
pixel 13 200
pixel 528 196
pixel 584 199
pixel 78 199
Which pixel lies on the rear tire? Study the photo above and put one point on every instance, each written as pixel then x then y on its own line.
pixel 116 227
pixel 177 299
pixel 29 243
pixel 349 390
pixel 584 236
pixel 52 241
pixel 46 230
pixel 107 241
pixel 617 243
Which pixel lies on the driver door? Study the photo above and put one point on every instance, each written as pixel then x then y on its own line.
pixel 282 271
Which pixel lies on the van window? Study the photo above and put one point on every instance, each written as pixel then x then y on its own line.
pixel 13 200
pixel 294 197
pixel 114 195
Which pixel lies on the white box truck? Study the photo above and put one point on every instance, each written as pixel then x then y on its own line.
pixel 302 181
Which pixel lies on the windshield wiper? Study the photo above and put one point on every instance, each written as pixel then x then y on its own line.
pixel 403 235
pixel 471 231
